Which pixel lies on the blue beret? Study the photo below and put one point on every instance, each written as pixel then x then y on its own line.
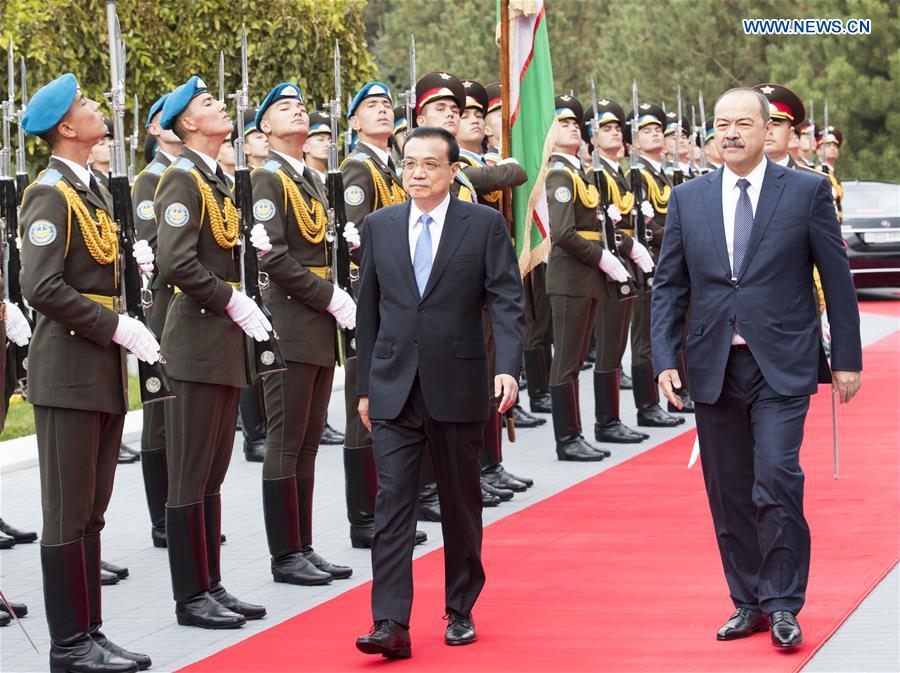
pixel 369 90
pixel 49 105
pixel 280 92
pixel 156 107
pixel 179 99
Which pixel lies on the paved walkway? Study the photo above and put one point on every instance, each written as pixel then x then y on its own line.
pixel 139 612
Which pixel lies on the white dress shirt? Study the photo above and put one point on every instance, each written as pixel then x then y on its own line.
pixel 381 154
pixel 83 173
pixel 572 159
pixel 657 166
pixel 297 164
pixel 730 195
pixel 172 159
pixel 438 215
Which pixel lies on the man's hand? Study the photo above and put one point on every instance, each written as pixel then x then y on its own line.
pixel 846 384
pixel 504 385
pixel 669 381
pixel 363 409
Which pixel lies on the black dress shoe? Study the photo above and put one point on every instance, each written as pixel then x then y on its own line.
pixel 207 613
pixel 625 382
pixel 539 403
pixel 387 638
pixel 429 505
pixel 336 571
pixel 489 499
pixel 529 482
pixel 497 477
pixel 579 450
pixel 744 622
pixel 158 535
pixel 233 603
pixel 142 660
pixel 460 629
pixel 654 417
pixel 88 656
pixel 20 609
pixel 7 542
pixel 523 419
pixel 297 569
pixel 20 536
pixel 107 578
pixel 688 406
pixel 331 437
pixel 617 432
pixel 504 494
pixel 255 451
pixel 361 536
pixel 119 571
pixel 5 618
pixel 128 455
pixel 785 629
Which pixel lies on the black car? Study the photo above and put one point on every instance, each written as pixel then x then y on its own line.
pixel 871 230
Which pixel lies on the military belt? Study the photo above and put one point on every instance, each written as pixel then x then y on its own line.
pixel 235 285
pixel 323 272
pixel 113 303
pixel 627 232
pixel 588 235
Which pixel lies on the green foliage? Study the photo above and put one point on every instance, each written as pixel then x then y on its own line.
pixel 697 44
pixel 167 41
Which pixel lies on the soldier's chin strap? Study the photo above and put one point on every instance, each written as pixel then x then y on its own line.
pixel 16 617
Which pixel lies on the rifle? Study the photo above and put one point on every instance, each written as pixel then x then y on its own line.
pixel 677 173
pixel 222 76
pixel 695 137
pixel 267 358
pixel 811 132
pixel 623 291
pixel 823 164
pixel 137 298
pixel 133 139
pixel 21 170
pixel 411 92
pixel 348 134
pixel 641 233
pixel 9 216
pixel 341 273
pixel 704 166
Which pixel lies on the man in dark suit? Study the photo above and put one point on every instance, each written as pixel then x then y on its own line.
pixel 739 251
pixel 430 267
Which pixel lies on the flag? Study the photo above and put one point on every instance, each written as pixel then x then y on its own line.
pixel 533 127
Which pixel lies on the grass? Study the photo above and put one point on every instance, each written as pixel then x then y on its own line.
pixel 20 419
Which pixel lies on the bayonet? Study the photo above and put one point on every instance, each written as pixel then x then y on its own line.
pixel 695 134
pixel 822 163
pixel 222 76
pixel 677 173
pixel 811 132
pixel 704 167
pixel 21 169
pixel 411 92
pixel 133 140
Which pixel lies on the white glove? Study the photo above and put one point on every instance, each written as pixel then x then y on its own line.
pixel 246 314
pixel 17 328
pixel 614 213
pixel 642 257
pixel 343 308
pixel 826 329
pixel 612 267
pixel 259 239
pixel 351 235
pixel 647 211
pixel 133 336
pixel 143 255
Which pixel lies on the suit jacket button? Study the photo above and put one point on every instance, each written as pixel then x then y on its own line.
pixel 71 332
pixel 415 343
pixel 202 310
pixel 289 297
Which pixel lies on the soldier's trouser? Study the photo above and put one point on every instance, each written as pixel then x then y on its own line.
pixel 640 331
pixel 538 311
pixel 613 319
pixel 200 424
pixel 359 465
pixel 253 412
pixel 77 453
pixel 573 321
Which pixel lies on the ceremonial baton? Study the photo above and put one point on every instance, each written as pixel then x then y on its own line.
pixel 16 617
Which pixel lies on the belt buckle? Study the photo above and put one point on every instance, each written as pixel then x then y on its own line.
pixel 117 304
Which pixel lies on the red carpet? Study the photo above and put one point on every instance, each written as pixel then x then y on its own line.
pixel 621 572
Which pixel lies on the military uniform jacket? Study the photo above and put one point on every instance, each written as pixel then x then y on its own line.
pixel 200 342
pixel 297 297
pixel 488 181
pixel 572 268
pixel 369 184
pixel 659 185
pixel 617 191
pixel 73 361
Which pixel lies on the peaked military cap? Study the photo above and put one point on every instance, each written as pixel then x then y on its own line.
pixel 608 111
pixel 672 124
pixel 831 134
pixel 369 90
pixel 783 103
pixel 49 105
pixel 568 107
pixel 400 123
pixel 648 113
pixel 495 96
pixel 802 128
pixel 319 122
pixel 476 96
pixel 179 99
pixel 249 124
pixel 437 85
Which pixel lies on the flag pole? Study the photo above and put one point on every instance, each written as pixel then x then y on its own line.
pixel 505 149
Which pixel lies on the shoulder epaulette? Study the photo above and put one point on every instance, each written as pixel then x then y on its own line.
pixel 474 159
pixel 464 180
pixel 183 164
pixel 156 168
pixel 359 156
pixel 557 165
pixel 49 177
pixel 270 166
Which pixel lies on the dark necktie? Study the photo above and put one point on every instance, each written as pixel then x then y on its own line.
pixel 743 224
pixel 220 174
pixel 391 167
pixel 95 187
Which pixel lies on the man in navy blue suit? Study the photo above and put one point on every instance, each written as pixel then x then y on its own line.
pixel 736 263
pixel 430 268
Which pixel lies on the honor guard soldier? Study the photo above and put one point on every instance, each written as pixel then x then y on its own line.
pixel 808 139
pixel 205 349
pixel 401 126
pixel 683 161
pixel 99 159
pixel 613 317
pixel 655 188
pixel 713 158
pixel 493 121
pixel 153 432
pixel 577 273
pixel 77 375
pixel 830 141
pixel 370 183
pixel 304 304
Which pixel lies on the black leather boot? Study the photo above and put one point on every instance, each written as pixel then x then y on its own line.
pixel 361 483
pixel 66 599
pixel 537 371
pixel 281 514
pixel 95 613
pixel 188 563
pixel 570 443
pixel 156 484
pixel 305 487
pixel 646 398
pixel 624 381
pixel 253 422
pixel 212 520
pixel 429 504
pixel 608 427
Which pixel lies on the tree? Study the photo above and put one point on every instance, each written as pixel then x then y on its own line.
pixel 169 40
